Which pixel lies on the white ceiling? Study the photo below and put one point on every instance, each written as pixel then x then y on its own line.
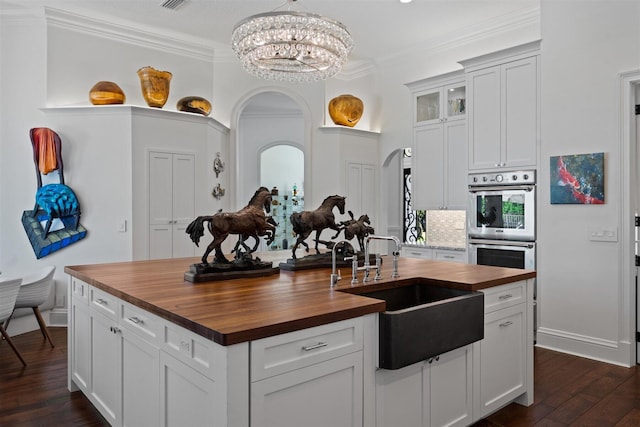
pixel 381 29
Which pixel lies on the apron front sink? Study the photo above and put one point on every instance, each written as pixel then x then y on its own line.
pixel 423 320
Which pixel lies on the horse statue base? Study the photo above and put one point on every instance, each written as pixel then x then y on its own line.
pixel 323 260
pixel 243 267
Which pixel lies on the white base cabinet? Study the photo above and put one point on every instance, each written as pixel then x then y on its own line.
pixel 312 377
pixel 141 370
pixel 324 394
pixel 186 395
pixel 503 360
pixel 436 392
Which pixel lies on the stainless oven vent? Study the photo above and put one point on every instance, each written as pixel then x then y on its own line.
pixel 172 4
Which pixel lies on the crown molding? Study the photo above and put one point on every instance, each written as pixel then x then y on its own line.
pixel 525 17
pixel 126 32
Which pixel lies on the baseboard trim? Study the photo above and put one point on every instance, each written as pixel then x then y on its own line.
pixel 616 353
pixel 58 317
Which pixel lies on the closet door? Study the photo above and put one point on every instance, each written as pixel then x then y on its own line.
pixel 171 204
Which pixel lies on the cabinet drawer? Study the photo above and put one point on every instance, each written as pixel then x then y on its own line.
pixel 140 322
pixel 192 349
pixel 423 253
pixel 104 303
pixel 453 256
pixel 294 350
pixel 504 296
pixel 79 290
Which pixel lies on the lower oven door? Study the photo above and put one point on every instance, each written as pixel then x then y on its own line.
pixel 502 253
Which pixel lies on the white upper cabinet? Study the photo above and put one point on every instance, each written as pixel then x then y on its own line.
pixel 503 108
pixel 439 149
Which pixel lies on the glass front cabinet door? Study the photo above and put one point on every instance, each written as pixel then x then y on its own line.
pixel 440 104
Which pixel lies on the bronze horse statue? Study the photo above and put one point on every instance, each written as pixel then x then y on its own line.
pixel 305 222
pixel 359 228
pixel 248 221
pixel 268 232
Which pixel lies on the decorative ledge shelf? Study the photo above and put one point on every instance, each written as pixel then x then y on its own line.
pixel 128 109
pixel 348 130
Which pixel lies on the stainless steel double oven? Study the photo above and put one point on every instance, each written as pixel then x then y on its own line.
pixel 502 219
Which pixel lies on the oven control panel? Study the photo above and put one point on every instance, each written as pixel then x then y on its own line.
pixel 502 178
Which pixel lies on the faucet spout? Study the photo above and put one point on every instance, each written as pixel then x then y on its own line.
pixel 395 254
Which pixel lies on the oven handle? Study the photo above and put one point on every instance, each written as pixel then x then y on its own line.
pixel 528 245
pixel 473 189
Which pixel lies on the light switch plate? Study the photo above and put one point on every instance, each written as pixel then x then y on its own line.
pixel 603 234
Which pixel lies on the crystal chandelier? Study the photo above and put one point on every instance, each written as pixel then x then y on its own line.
pixel 291 46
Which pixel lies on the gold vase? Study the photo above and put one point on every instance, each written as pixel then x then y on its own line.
pixel 155 86
pixel 105 93
pixel 346 110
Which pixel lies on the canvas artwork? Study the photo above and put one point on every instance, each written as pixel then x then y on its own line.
pixel 577 179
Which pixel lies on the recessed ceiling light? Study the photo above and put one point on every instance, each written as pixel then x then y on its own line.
pixel 406 1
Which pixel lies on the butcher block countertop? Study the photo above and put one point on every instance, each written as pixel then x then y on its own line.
pixel 234 311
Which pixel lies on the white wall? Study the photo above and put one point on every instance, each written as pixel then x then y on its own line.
pixel 582 304
pixel 47 63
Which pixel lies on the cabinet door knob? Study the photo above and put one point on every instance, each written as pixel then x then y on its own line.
pixel 505 324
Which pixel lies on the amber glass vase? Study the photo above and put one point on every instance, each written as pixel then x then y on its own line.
pixel 155 86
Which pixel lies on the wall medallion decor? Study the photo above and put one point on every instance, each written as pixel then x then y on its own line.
pixel 346 110
pixel 577 179
pixel 155 86
pixel 54 222
pixel 194 104
pixel 218 164
pixel 218 192
pixel 105 93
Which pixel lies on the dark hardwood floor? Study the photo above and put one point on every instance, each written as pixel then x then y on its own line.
pixel 569 391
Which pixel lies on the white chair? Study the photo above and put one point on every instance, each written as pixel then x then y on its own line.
pixel 8 293
pixel 34 291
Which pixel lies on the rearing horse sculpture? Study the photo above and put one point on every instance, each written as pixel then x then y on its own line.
pixel 307 221
pixel 248 221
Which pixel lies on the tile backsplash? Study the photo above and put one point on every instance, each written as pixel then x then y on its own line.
pixel 447 227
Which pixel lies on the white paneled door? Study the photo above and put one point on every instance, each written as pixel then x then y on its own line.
pixel 171 204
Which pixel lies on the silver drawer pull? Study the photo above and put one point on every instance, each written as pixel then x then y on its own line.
pixel 101 301
pixel 314 346
pixel 505 324
pixel 136 320
pixel 504 297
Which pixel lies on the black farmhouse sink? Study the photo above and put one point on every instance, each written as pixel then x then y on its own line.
pixel 423 320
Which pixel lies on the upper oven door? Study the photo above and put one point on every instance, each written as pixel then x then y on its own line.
pixel 506 212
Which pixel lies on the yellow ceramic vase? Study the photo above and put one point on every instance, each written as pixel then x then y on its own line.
pixel 346 110
pixel 155 86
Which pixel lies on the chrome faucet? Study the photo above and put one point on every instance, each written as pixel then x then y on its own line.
pixel 335 273
pixel 395 254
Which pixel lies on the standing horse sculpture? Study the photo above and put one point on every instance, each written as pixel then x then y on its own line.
pixel 359 228
pixel 248 221
pixel 305 222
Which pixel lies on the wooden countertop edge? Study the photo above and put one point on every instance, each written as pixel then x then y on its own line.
pixel 364 306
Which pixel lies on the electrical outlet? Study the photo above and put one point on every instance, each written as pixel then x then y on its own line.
pixel 60 300
pixel 603 234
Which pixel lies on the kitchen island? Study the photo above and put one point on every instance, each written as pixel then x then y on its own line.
pixel 147 347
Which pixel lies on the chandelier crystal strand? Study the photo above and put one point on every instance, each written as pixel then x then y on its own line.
pixel 291 46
